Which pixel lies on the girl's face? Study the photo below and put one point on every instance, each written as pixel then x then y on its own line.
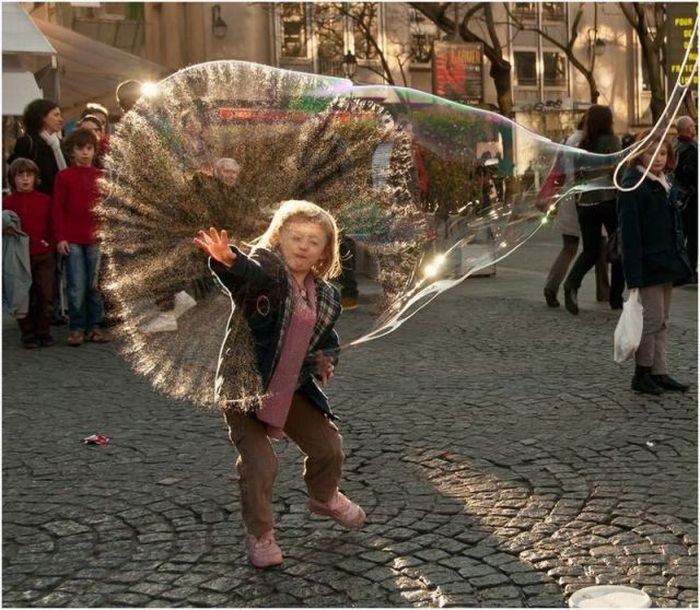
pixel 303 245
pixel 94 127
pixel 24 181
pixel 53 121
pixel 84 155
pixel 657 168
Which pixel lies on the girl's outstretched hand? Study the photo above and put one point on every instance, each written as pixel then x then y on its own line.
pixel 324 367
pixel 215 244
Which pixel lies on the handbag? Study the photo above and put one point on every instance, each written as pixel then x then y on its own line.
pixel 628 332
pixel 549 188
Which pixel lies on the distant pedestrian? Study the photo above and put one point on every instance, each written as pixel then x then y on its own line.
pixel 595 208
pixel 654 256
pixel 686 172
pixel 42 121
pixel 76 195
pixel 34 212
pixel 282 294
pixel 128 93
pixel 561 175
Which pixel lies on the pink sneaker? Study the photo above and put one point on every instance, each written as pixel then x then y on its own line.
pixel 343 511
pixel 263 551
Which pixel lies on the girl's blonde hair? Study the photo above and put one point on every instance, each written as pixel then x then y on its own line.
pixel 329 266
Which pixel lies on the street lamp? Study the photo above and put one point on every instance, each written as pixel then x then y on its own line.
pixel 350 65
pixel 218 26
pixel 595 44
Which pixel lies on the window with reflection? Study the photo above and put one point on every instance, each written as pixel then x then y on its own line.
pixel 525 10
pixel 553 11
pixel 554 69
pixel 525 68
pixel 293 28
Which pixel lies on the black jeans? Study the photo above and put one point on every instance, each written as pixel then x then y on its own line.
pixel 591 219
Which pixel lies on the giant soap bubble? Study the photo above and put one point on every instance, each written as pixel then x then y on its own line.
pixel 429 191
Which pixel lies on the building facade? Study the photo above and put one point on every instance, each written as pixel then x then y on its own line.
pixel 393 43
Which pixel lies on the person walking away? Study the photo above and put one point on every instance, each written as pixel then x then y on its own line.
pixel 281 292
pixel 76 195
pixel 653 257
pixel 686 173
pixel 34 211
pixel 595 209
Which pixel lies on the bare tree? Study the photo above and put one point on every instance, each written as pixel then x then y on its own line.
pixel 586 69
pixel 650 26
pixel 500 70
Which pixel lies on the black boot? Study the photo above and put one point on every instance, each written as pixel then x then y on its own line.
pixel 667 383
pixel 551 297
pixel 644 383
pixel 571 300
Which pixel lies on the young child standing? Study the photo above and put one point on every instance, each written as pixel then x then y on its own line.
pixel 34 211
pixel 282 293
pixel 653 257
pixel 75 196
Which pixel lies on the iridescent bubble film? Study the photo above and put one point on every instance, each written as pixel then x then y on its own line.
pixel 430 191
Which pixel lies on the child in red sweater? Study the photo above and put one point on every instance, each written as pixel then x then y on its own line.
pixel 75 195
pixel 34 211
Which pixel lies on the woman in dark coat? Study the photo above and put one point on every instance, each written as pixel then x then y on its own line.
pixel 653 258
pixel 595 208
pixel 43 121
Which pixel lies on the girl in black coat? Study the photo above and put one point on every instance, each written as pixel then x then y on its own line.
pixel 653 257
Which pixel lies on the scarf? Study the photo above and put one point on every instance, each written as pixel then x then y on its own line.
pixel 661 179
pixel 55 144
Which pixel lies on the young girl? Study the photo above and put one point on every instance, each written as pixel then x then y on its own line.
pixel 34 211
pixel 653 257
pixel 75 196
pixel 281 292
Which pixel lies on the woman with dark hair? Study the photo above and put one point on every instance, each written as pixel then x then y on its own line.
pixel 42 121
pixel 653 256
pixel 595 208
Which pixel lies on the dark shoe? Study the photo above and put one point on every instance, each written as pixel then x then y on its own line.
pixel 75 338
pixel 59 321
pixel 45 340
pixel 615 305
pixel 644 383
pixel 668 383
pixel 30 342
pixel 571 300
pixel 551 297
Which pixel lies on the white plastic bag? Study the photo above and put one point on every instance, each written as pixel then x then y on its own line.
pixel 628 333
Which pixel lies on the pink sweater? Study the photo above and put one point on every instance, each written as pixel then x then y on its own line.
pixel 295 345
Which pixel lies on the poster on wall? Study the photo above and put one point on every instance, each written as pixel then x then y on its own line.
pixel 458 71
pixel 680 20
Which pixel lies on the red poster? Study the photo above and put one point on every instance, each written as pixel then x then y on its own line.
pixel 458 71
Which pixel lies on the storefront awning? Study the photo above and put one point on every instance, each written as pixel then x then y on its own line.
pixel 20 34
pixel 18 89
pixel 91 70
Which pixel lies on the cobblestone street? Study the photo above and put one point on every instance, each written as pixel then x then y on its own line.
pixel 497 448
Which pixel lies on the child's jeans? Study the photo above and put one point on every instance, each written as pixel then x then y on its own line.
pixel 41 306
pixel 85 306
pixel 314 434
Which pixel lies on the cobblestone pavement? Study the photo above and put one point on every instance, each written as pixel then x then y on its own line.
pixel 501 457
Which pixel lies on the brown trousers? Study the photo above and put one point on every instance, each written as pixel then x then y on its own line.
pixel 38 320
pixel 656 301
pixel 313 433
